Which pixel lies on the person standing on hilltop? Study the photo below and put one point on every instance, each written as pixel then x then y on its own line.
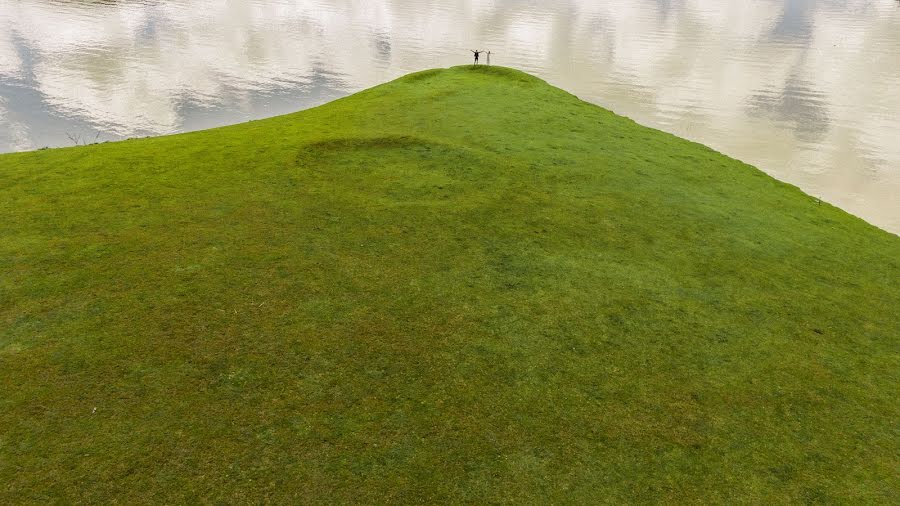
pixel 489 58
pixel 477 52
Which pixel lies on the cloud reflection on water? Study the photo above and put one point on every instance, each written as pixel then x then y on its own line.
pixel 809 91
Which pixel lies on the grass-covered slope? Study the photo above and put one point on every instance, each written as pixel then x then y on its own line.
pixel 462 286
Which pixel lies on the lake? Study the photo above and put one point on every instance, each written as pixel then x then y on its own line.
pixel 808 91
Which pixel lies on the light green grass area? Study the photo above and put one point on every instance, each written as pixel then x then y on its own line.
pixel 462 286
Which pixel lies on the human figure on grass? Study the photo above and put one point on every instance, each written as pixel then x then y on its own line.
pixel 476 52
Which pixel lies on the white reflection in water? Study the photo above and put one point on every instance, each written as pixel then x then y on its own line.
pixel 807 90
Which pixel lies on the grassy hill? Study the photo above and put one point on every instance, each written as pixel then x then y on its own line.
pixel 462 286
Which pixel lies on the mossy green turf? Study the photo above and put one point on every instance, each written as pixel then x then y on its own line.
pixel 462 286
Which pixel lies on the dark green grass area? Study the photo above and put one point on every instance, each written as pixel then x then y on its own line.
pixel 462 286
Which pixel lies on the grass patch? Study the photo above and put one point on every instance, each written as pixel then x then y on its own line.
pixel 462 286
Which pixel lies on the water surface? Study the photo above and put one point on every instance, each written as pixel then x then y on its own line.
pixel 807 90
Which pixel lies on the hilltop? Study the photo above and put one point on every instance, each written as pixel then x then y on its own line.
pixel 465 285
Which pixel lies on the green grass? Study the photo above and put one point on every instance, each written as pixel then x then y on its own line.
pixel 462 286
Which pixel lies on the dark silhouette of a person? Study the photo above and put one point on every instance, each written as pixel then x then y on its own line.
pixel 476 52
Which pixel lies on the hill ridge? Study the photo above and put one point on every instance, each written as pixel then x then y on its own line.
pixel 464 285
